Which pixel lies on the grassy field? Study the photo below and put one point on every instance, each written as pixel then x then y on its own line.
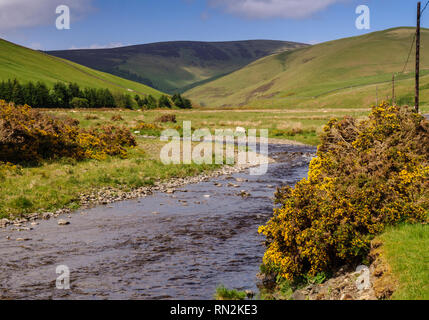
pixel 20 63
pixel 299 125
pixel 56 185
pixel 178 65
pixel 345 73
pixel 406 250
pixel 302 125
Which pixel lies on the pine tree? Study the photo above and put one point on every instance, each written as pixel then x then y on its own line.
pixel 17 93
pixel 42 98
pixel 61 95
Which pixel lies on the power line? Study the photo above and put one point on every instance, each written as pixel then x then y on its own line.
pixel 424 8
pixel 414 40
pixel 409 54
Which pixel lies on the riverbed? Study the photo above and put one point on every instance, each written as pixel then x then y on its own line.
pixel 179 245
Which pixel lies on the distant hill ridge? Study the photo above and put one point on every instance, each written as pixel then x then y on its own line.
pixel 347 73
pixel 176 66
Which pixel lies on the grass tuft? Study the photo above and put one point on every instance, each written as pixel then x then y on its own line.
pixel 223 293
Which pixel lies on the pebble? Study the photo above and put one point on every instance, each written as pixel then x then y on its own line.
pixel 233 185
pixel 47 215
pixel 63 222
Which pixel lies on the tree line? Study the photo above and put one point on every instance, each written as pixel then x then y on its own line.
pixel 62 95
pixel 149 102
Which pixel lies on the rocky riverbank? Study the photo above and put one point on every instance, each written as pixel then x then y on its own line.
pixel 373 282
pixel 107 196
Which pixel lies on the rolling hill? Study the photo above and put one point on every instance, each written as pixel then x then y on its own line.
pixel 349 72
pixel 24 64
pixel 176 66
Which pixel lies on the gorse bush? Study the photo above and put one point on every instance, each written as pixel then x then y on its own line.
pixel 105 141
pixel 367 175
pixel 27 135
pixel 149 129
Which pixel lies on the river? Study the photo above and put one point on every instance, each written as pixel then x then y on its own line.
pixel 164 246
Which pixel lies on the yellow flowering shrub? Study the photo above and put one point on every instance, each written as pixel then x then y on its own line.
pixel 150 129
pixel 27 135
pixel 6 168
pixel 105 141
pixel 366 175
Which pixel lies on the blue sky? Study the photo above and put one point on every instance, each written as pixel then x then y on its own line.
pixel 107 23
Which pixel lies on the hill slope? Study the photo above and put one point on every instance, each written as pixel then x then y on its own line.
pixel 176 66
pixel 28 65
pixel 338 73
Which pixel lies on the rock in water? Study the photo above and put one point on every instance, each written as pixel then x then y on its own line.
pixel 63 222
pixel 47 215
pixel 363 282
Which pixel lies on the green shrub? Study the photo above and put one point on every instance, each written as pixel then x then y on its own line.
pixel 164 102
pixel 22 203
pixel 79 103
pixel 181 102
pixel 367 175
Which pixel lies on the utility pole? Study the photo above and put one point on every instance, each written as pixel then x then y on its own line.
pixel 418 57
pixel 393 90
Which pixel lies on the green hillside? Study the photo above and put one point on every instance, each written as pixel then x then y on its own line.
pixel 24 64
pixel 176 66
pixel 343 73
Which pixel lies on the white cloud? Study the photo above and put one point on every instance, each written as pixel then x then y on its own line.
pixel 16 14
pixel 98 46
pixel 264 9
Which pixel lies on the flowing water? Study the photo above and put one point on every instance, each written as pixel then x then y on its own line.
pixel 164 246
